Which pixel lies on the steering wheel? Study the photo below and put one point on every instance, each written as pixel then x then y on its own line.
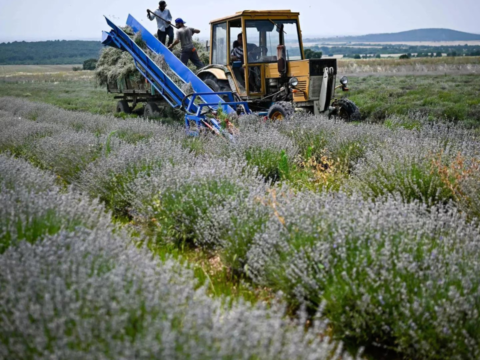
pixel 256 53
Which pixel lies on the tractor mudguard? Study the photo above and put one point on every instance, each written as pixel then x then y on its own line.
pixel 218 73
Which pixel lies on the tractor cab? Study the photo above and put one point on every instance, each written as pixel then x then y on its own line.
pixel 258 55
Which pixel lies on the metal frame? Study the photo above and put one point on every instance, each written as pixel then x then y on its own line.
pixel 198 116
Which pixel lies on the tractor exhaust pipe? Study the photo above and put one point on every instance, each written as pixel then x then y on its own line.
pixel 281 53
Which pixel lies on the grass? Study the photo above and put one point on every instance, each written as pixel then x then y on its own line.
pixel 389 63
pixel 76 95
pixel 75 91
pixel 8 70
pixel 450 97
pixel 209 267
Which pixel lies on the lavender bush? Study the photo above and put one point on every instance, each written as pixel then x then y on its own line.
pixel 409 164
pixel 18 134
pixel 232 224
pixel 89 295
pixel 262 145
pixel 43 113
pixel 180 196
pixel 345 143
pixel 402 275
pixel 34 207
pixel 109 176
pixel 136 130
pixel 68 153
pixel 131 130
pixel 18 173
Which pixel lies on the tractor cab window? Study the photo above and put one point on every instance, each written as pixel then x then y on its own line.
pixel 235 27
pixel 263 39
pixel 219 44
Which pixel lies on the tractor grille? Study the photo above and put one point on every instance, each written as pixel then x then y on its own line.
pixel 317 66
pixel 300 96
pixel 315 87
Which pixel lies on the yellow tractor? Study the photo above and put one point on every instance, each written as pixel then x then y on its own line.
pixel 259 56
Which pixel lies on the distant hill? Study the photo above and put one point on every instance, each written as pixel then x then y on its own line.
pixel 407 36
pixel 48 52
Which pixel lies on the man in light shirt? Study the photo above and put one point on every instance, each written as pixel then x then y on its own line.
pixel 164 24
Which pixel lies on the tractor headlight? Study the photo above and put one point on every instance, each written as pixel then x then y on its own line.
pixel 293 81
pixel 344 81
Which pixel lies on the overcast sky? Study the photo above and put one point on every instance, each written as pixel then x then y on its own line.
pixel 32 20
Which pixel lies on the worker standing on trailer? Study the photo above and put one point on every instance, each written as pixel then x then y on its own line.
pixel 164 24
pixel 184 37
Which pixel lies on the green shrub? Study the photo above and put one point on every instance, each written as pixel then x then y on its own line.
pixel 272 164
pixel 90 64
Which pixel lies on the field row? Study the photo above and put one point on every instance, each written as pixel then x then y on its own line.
pixel 76 286
pixel 374 225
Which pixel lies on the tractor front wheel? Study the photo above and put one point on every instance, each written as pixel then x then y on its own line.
pixel 281 110
pixel 346 110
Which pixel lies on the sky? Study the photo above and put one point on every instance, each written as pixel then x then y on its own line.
pixel 35 20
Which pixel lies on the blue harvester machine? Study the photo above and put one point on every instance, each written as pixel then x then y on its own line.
pixel 196 105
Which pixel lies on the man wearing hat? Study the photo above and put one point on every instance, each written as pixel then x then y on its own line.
pixel 184 37
pixel 164 19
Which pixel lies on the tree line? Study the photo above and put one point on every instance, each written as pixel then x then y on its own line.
pixel 48 52
pixel 368 50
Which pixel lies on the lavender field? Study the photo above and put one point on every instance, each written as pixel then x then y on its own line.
pixel 364 238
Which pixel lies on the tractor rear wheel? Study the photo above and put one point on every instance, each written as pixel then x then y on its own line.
pixel 217 85
pixel 281 110
pixel 346 109
pixel 212 84
pixel 123 107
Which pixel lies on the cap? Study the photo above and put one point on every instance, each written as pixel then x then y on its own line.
pixel 179 21
pixel 162 3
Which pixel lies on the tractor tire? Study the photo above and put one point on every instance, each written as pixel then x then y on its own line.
pixel 281 110
pixel 123 107
pixel 151 111
pixel 217 85
pixel 212 85
pixel 347 110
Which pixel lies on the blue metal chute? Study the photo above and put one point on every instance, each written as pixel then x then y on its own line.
pixel 108 40
pixel 147 67
pixel 182 71
pixel 202 107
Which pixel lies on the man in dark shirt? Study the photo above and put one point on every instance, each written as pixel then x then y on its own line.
pixel 252 52
pixel 184 37
pixel 237 52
